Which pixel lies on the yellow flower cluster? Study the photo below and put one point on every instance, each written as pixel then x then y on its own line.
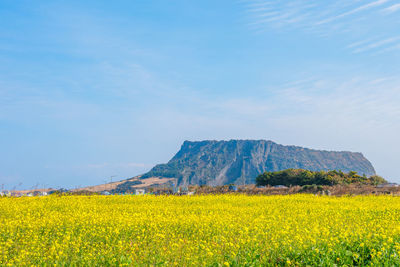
pixel 218 230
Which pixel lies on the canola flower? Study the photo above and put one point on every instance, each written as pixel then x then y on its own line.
pixel 209 230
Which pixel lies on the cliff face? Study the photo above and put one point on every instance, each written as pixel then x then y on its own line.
pixel 240 161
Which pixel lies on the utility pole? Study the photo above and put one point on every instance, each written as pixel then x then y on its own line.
pixel 111 179
pixel 105 185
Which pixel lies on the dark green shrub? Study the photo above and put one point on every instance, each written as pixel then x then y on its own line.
pixel 305 177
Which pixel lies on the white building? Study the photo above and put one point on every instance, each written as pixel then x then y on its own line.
pixel 387 185
pixel 140 192
pixel 5 193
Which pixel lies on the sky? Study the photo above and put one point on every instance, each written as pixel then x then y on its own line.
pixel 93 91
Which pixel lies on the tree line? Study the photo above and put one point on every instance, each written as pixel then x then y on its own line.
pixel 302 177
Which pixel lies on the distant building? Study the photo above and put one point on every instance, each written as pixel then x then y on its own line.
pixel 280 186
pixel 233 188
pixel 37 193
pixel 6 193
pixel 326 192
pixel 387 185
pixel 183 190
pixel 105 193
pixel 58 191
pixel 140 192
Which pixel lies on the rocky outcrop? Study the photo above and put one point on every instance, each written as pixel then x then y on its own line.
pixel 241 161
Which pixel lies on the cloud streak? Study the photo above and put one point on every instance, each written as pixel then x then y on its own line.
pixel 392 8
pixel 376 44
pixel 354 11
pixel 350 20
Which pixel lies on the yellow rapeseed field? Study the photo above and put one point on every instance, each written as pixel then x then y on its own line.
pixel 217 230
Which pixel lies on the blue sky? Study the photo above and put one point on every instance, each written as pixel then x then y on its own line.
pixel 93 89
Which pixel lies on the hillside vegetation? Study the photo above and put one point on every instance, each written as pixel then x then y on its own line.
pixel 291 177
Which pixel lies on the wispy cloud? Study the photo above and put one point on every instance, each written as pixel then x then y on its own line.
pixel 356 21
pixel 354 11
pixel 376 44
pixel 392 8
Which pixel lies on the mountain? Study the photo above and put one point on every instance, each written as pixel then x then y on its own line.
pixel 240 161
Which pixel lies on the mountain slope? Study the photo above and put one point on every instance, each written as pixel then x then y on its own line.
pixel 240 161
